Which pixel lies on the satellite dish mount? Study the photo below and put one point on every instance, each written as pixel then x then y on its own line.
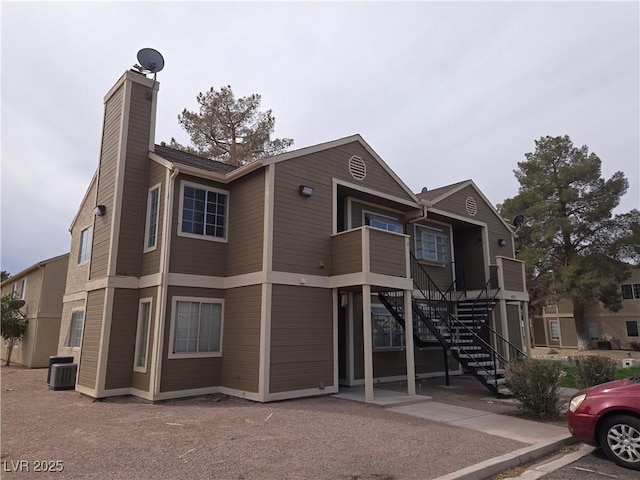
pixel 149 61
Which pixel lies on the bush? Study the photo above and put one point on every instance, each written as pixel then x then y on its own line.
pixel 635 346
pixel 534 384
pixel 590 370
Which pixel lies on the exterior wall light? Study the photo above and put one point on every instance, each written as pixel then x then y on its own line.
pixel 502 242
pixel 100 210
pixel 305 190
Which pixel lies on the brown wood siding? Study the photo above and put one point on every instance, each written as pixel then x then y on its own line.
pixel 246 225
pixel 513 323
pixel 394 363
pixel 568 335
pixel 193 255
pixel 151 260
pixel 136 184
pixel 301 338
pixel 188 373
pixel 91 335
pixel 496 229
pixel 513 277
pixel 241 340
pixel 539 339
pixel 122 338
pixel 387 253
pixel 139 380
pixel 302 226
pixel 111 134
pixel 347 252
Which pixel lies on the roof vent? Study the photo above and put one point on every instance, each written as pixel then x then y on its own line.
pixel 471 206
pixel 357 168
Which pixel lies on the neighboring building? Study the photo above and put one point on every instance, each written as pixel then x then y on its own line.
pixel 41 286
pixel 607 329
pixel 284 278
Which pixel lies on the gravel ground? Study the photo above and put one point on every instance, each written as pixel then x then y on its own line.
pixel 215 437
pixel 559 353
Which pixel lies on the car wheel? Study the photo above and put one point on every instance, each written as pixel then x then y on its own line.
pixel 620 440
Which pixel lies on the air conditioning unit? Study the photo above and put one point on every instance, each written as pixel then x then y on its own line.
pixel 63 376
pixel 56 359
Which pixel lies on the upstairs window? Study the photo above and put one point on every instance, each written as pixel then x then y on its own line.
pixel 204 212
pixel 151 228
pixel 432 244
pixel 74 336
pixel 631 291
pixel 382 222
pixel 23 289
pixel 84 252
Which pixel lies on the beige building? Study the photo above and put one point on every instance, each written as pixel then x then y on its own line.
pixel 607 329
pixel 284 278
pixel 41 286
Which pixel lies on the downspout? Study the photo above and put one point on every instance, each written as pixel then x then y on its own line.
pixel 164 280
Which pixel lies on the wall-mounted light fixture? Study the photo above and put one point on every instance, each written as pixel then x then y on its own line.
pixel 100 210
pixel 502 242
pixel 305 190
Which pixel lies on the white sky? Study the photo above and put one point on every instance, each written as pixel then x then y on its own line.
pixel 442 91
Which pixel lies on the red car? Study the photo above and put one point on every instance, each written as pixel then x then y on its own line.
pixel 608 416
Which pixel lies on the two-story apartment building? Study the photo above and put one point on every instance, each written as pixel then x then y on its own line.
pixel 284 278
pixel 41 286
pixel 555 327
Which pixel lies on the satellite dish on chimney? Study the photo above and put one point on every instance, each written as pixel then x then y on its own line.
pixel 150 61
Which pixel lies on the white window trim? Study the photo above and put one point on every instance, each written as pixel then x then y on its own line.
pixel 446 230
pixel 373 215
pixel 137 368
pixel 23 288
pixel 180 233
pixel 148 218
pixel 89 245
pixel 174 301
pixel 68 339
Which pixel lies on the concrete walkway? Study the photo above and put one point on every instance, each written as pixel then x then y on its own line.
pixel 543 438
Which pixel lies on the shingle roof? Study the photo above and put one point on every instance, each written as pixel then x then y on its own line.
pixel 185 158
pixel 431 195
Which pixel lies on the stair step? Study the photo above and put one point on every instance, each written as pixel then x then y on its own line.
pixel 480 364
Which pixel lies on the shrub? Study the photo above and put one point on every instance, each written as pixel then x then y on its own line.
pixel 534 384
pixel 590 370
pixel 635 346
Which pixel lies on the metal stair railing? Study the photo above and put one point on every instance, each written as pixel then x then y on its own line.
pixel 439 304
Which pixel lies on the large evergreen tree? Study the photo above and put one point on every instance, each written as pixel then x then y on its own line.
pixel 230 130
pixel 574 246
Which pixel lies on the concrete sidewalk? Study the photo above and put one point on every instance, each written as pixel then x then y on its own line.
pixel 543 438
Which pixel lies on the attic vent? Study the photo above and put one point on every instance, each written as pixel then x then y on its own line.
pixel 471 206
pixel 357 168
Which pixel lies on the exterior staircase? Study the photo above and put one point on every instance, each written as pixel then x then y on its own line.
pixel 459 325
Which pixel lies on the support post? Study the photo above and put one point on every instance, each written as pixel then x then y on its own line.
pixel 408 342
pixel 368 343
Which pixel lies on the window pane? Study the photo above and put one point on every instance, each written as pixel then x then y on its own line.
pixel 632 329
pixel 555 330
pixel 627 292
pixel 152 221
pixel 197 327
pixel 203 212
pixel 75 329
pixel 85 245
pixel 636 290
pixel 143 330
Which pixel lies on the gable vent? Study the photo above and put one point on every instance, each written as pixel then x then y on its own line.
pixel 357 168
pixel 470 204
